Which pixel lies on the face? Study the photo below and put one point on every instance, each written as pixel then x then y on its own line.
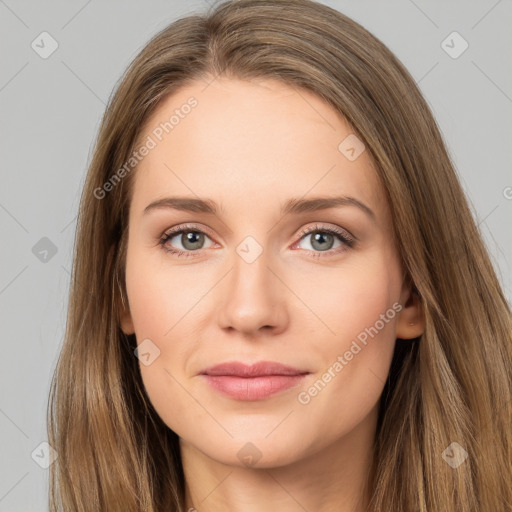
pixel 316 289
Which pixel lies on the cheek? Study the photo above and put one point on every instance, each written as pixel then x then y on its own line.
pixel 163 305
pixel 160 296
pixel 361 311
pixel 350 301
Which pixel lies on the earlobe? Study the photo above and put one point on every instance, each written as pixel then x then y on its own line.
pixel 126 322
pixel 411 319
pixel 123 308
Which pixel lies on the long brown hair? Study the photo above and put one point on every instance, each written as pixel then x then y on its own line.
pixel 452 384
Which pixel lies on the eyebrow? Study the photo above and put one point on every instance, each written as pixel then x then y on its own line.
pixel 294 205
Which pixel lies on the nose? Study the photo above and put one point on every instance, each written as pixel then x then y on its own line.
pixel 252 297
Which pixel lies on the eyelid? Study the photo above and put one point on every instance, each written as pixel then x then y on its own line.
pixel 188 227
pixel 332 228
pixel 304 231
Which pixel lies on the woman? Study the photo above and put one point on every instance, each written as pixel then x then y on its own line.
pixel 217 357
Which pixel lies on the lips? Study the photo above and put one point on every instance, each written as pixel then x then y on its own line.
pixel 252 382
pixel 261 368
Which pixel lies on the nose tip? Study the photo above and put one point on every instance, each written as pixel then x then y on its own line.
pixel 252 298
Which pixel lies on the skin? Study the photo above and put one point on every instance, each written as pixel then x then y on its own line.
pixel 250 146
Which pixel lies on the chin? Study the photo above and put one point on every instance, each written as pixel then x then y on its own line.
pixel 255 449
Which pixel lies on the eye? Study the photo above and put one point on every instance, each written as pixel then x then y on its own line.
pixel 190 238
pixel 323 240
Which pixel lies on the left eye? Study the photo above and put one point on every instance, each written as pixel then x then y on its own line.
pixel 323 240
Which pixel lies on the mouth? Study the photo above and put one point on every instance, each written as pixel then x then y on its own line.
pixel 252 382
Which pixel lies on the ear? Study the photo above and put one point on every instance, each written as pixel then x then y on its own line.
pixel 126 321
pixel 411 319
pixel 125 317
pixel 122 306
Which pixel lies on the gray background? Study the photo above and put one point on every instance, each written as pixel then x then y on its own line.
pixel 50 113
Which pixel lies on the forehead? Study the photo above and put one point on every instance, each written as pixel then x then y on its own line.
pixel 247 144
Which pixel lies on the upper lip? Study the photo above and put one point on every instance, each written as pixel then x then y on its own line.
pixel 261 368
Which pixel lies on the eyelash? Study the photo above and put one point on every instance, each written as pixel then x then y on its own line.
pixel 340 234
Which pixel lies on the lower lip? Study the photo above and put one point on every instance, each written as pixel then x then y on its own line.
pixel 252 388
